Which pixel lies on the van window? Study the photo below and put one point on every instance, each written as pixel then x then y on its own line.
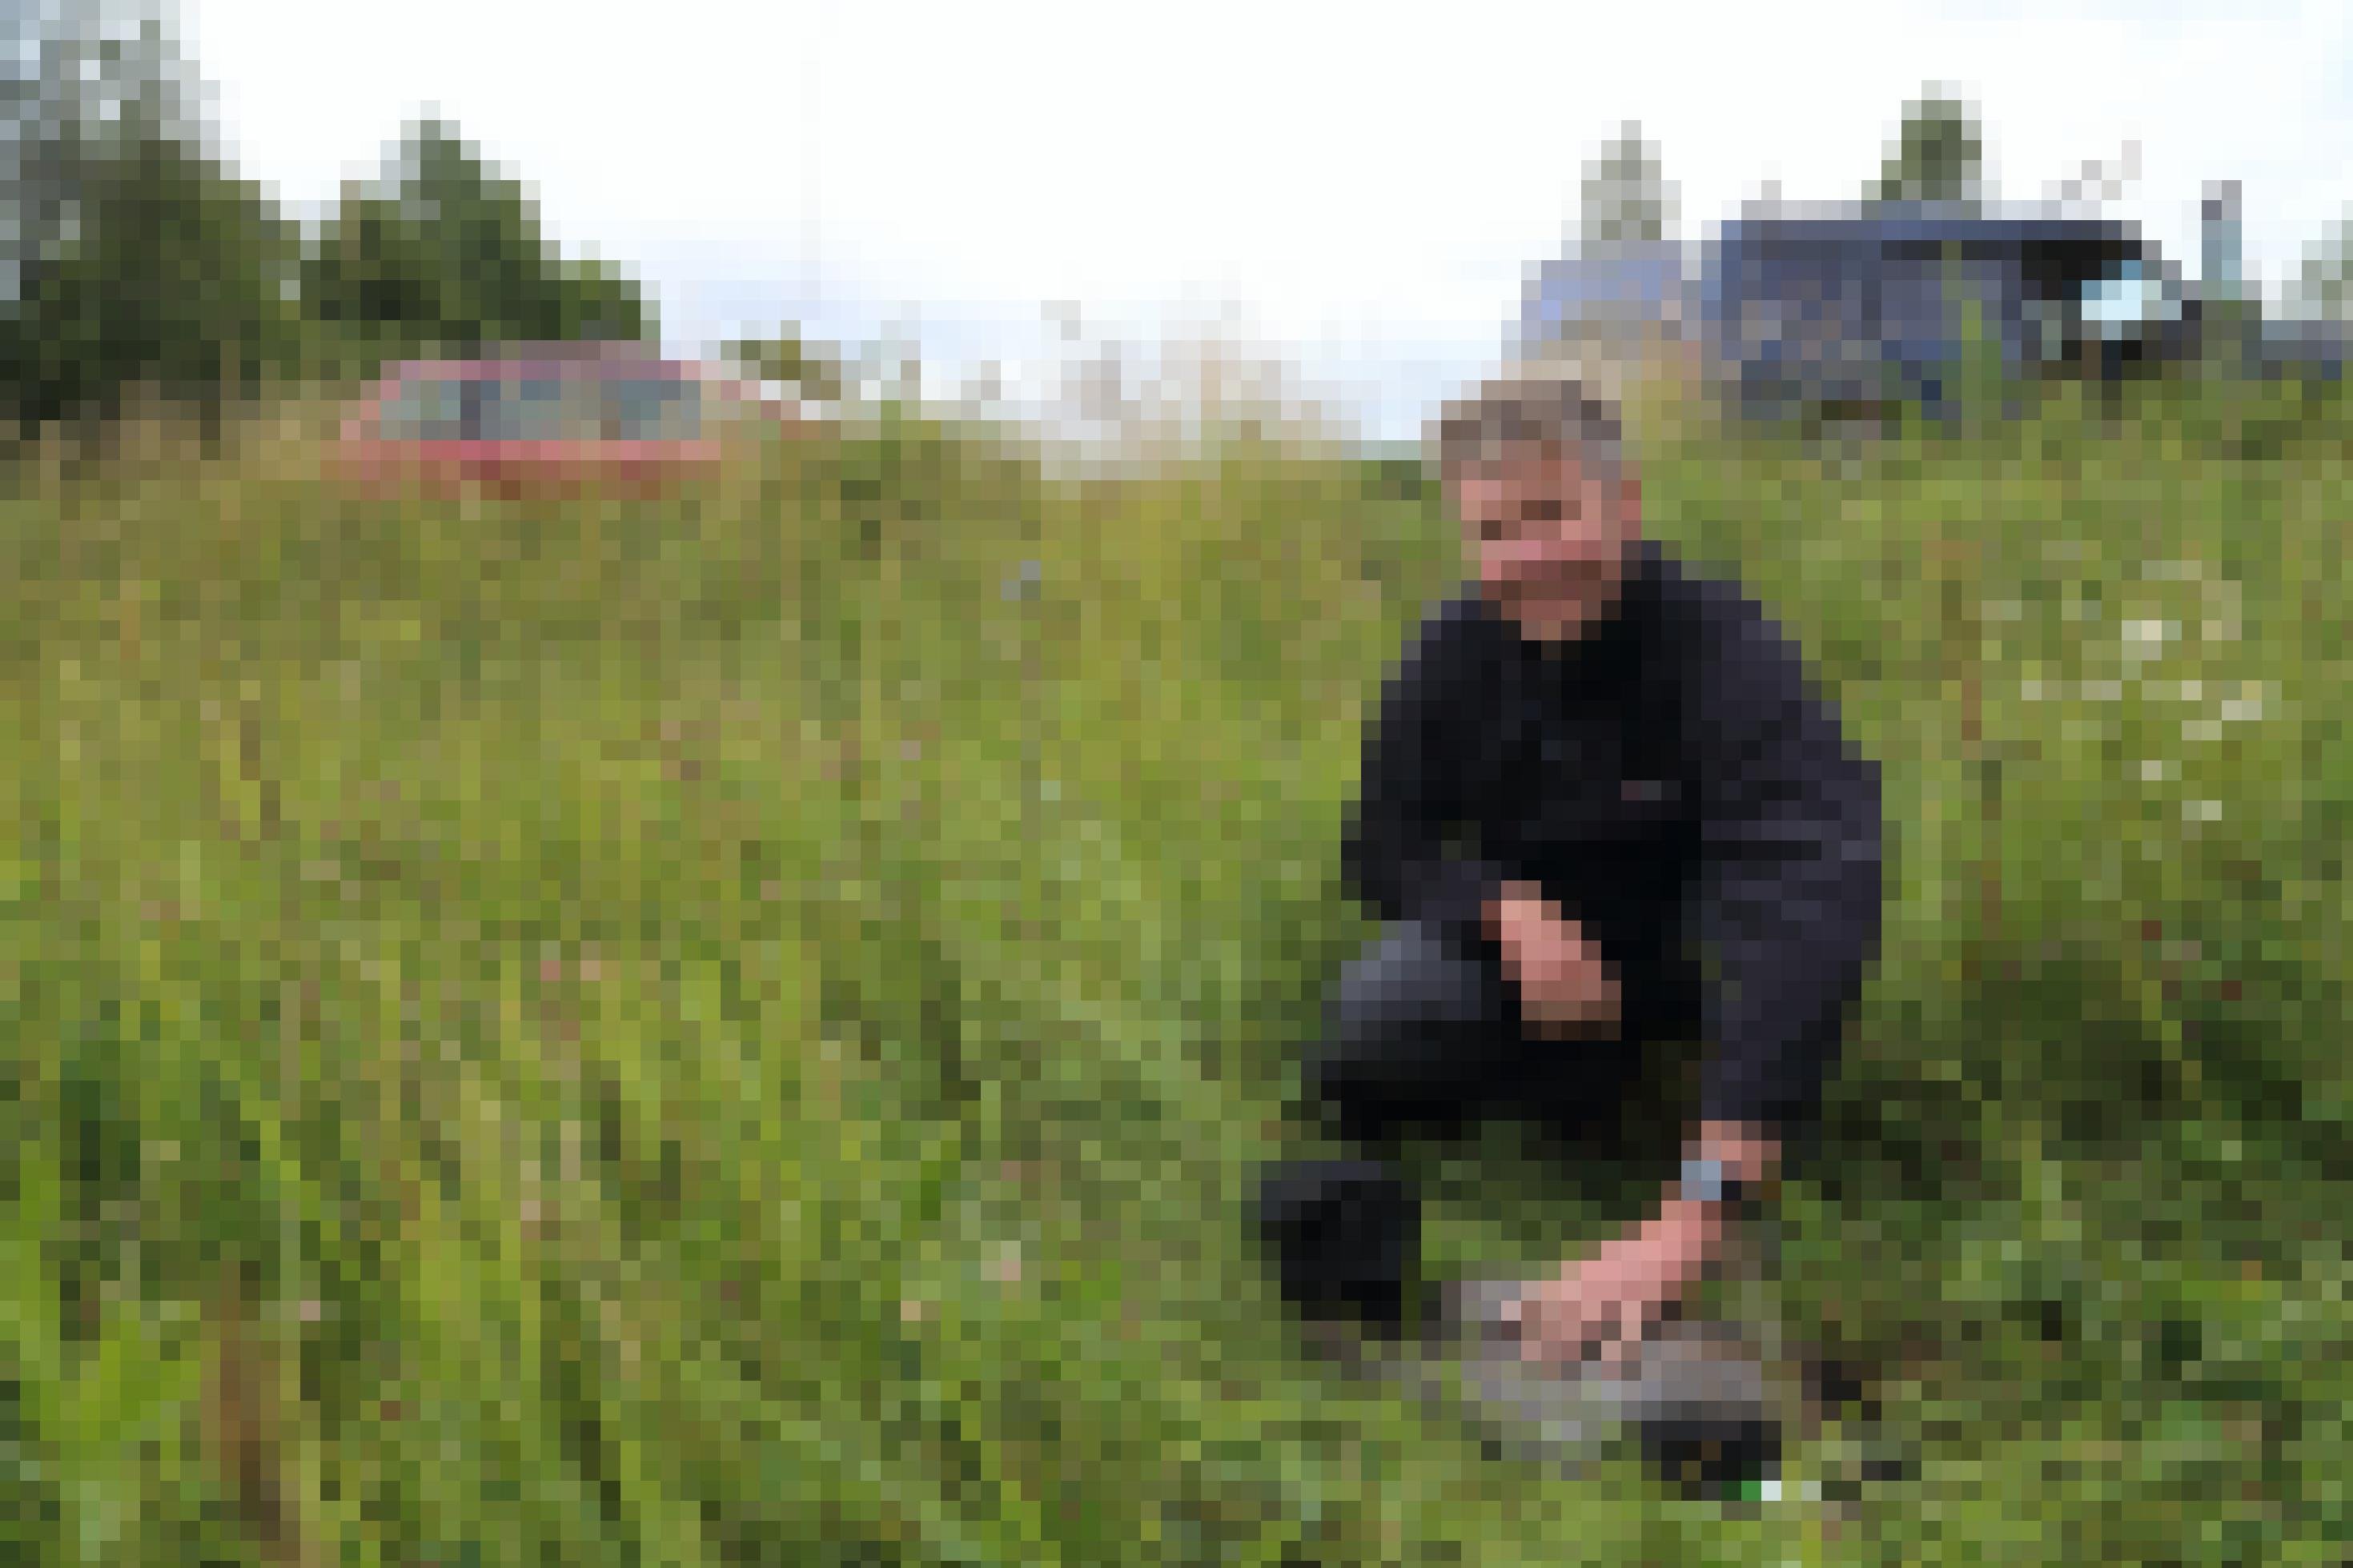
pixel 425 409
pixel 531 409
pixel 647 409
pixel 2126 301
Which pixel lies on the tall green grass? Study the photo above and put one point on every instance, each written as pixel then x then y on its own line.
pixel 736 1030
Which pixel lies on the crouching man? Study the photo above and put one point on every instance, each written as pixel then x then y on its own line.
pixel 1605 809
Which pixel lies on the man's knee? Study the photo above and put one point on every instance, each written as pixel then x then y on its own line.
pixel 1404 1022
pixel 1411 980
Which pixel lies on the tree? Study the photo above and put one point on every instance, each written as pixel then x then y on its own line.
pixel 174 279
pixel 132 256
pixel 1625 201
pixel 31 185
pixel 787 357
pixel 1937 157
pixel 444 257
pixel 2323 289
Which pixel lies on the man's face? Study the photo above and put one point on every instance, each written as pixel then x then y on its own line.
pixel 1551 540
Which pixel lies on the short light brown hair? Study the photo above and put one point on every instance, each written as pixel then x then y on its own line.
pixel 1511 415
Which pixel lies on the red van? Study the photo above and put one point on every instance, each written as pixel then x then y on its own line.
pixel 552 420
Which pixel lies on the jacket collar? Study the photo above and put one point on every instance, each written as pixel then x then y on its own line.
pixel 1608 648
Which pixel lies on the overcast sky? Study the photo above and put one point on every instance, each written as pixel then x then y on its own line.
pixel 1369 182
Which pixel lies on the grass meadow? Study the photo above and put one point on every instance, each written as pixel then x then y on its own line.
pixel 736 1030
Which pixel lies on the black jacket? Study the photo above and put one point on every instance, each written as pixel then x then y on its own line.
pixel 1676 782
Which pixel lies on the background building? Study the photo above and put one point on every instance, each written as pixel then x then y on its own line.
pixel 1862 307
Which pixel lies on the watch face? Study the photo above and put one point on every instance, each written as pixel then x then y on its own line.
pixel 1704 1180
pixel 1708 1181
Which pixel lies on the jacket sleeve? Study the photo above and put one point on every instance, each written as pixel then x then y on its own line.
pixel 1406 854
pixel 1786 909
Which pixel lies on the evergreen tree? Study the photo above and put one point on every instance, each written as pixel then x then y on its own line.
pixel 1937 157
pixel 1625 200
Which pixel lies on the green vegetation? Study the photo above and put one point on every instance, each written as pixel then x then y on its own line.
pixel 450 259
pixel 114 198
pixel 737 1030
pixel 1937 156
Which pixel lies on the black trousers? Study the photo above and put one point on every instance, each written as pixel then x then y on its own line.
pixel 1424 1038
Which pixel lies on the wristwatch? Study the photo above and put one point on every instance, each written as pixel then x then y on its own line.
pixel 1710 1181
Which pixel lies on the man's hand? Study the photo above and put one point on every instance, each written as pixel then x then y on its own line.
pixel 1565 985
pixel 1601 1307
